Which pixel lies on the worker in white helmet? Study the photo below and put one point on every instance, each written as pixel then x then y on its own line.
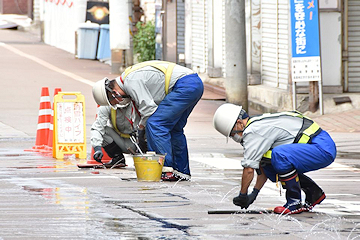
pixel 111 130
pixel 165 94
pixel 280 146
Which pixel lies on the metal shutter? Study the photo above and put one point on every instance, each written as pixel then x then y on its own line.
pixel 36 11
pixel 199 35
pixel 354 45
pixel 223 68
pixel 274 43
pixel 180 25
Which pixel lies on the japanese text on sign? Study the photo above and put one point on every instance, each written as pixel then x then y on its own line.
pixel 300 34
pixel 306 61
pixel 70 122
pixel 304 28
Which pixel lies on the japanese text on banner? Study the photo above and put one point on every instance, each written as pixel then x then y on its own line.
pixel 70 122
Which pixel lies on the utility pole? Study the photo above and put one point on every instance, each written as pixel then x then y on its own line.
pixel 235 40
pixel 120 44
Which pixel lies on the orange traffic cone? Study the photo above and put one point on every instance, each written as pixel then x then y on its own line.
pixel 49 146
pixel 42 133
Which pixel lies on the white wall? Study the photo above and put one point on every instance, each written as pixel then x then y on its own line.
pixel 149 9
pixel 188 44
pixel 330 35
pixel 61 19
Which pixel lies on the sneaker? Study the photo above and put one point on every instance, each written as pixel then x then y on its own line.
pixel 174 176
pixel 169 176
pixel 182 176
pixel 286 209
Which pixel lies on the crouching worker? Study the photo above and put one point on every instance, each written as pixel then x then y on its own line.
pixel 280 146
pixel 111 130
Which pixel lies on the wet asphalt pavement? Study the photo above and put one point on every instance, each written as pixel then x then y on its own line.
pixel 45 198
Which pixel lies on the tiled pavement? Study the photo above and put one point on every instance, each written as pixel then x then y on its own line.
pixel 348 121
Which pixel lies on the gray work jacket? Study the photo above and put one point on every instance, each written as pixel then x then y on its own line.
pixel 265 134
pixel 146 86
pixel 126 120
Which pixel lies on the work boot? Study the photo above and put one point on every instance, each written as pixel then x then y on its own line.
pixel 117 161
pixel 290 182
pixel 314 194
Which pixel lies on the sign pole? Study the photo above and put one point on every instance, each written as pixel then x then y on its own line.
pixel 305 46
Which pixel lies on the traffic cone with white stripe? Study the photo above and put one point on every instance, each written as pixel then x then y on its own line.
pixel 43 126
pixel 49 146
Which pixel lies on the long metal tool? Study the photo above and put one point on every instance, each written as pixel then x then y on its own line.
pixel 133 140
pixel 241 211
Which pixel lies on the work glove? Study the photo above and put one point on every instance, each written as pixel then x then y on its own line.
pixel 98 154
pixel 252 196
pixel 241 200
pixel 141 139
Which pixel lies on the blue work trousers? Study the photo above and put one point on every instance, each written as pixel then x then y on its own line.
pixel 165 127
pixel 320 153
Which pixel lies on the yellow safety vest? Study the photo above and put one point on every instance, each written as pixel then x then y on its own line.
pixel 156 64
pixel 307 132
pixel 113 121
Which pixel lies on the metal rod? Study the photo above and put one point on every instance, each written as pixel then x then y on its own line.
pixel 133 140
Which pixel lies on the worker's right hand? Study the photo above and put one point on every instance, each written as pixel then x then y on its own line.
pixel 241 200
pixel 98 154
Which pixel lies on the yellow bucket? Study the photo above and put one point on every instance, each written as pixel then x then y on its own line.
pixel 148 167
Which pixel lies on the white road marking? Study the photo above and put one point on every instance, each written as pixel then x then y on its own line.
pixel 46 64
pixel 217 160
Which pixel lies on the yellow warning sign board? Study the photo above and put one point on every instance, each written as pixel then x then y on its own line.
pixel 69 125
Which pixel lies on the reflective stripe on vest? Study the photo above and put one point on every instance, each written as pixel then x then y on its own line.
pixel 113 121
pixel 308 130
pixel 156 64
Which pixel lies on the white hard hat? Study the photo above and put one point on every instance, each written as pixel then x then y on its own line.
pixel 99 93
pixel 225 118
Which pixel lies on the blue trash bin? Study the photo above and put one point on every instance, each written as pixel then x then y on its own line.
pixel 87 40
pixel 104 51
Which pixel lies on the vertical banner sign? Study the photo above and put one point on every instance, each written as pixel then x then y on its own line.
pixel 306 65
pixel 305 41
pixel 69 125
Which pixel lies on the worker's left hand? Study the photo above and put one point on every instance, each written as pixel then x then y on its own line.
pixel 242 200
pixel 98 154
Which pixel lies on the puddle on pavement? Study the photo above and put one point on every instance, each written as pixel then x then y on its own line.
pixel 74 199
pixel 19 159
pixel 350 155
pixel 77 200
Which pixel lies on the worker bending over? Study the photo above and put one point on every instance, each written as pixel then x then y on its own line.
pixel 165 94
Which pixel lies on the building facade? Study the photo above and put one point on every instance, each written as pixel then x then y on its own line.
pixel 268 41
